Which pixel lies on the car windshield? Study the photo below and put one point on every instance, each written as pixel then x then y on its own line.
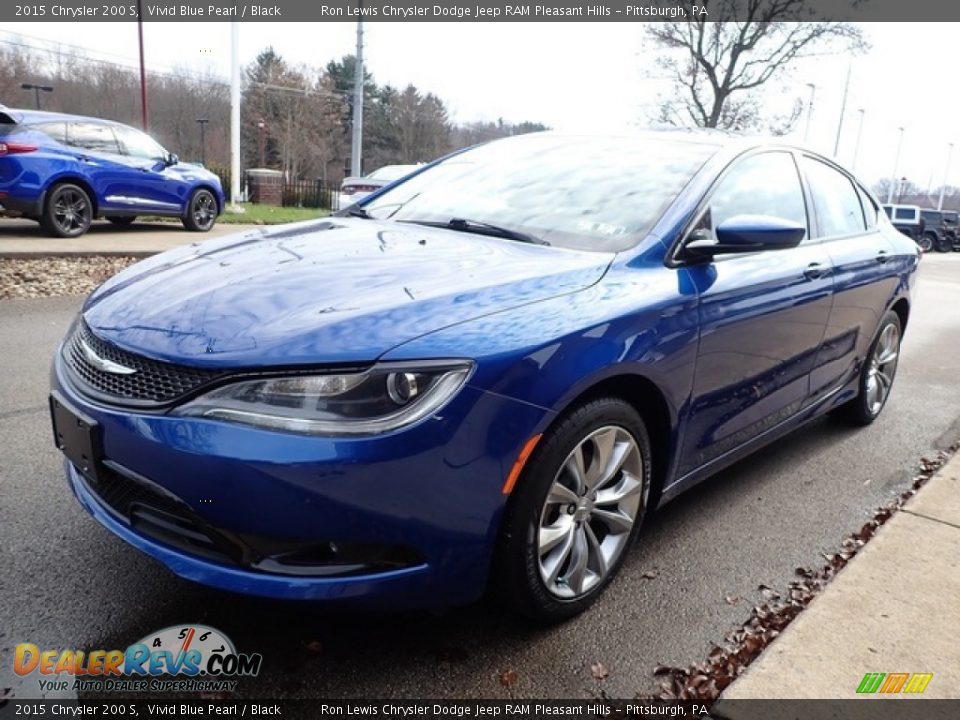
pixel 583 193
pixel 138 144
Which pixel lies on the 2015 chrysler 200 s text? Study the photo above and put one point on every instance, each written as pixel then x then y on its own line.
pixel 486 375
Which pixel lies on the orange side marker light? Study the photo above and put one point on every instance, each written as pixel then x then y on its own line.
pixel 520 462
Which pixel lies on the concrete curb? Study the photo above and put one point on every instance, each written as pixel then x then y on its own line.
pixel 895 608
pixel 43 255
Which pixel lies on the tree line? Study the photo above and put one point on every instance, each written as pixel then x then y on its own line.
pixel 294 118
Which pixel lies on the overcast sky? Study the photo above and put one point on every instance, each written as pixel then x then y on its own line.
pixel 589 76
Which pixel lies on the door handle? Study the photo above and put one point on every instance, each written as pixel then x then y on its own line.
pixel 814 271
pixel 882 257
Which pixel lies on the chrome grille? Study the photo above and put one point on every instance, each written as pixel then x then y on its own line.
pixel 154 382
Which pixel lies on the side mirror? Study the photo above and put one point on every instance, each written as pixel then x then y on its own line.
pixel 746 233
pixel 172 159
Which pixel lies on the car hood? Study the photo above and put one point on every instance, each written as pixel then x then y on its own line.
pixel 331 291
pixel 193 171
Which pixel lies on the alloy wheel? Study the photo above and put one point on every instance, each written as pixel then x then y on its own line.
pixel 71 211
pixel 589 512
pixel 883 366
pixel 204 209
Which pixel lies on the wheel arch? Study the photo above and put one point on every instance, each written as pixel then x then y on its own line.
pixel 208 187
pixel 902 308
pixel 77 180
pixel 649 400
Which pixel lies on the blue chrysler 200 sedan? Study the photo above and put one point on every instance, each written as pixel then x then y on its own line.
pixel 483 376
pixel 65 170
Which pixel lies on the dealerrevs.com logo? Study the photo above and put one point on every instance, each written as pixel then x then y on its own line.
pixel 197 657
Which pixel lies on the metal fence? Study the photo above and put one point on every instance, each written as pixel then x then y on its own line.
pixel 310 194
pixel 296 193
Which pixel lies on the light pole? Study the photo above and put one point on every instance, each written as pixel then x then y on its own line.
pixel 37 89
pixel 856 147
pixel 813 91
pixel 896 168
pixel 143 69
pixel 261 142
pixel 356 150
pixel 843 109
pixel 946 171
pixel 202 122
pixel 235 116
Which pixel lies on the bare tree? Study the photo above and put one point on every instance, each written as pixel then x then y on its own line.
pixel 718 64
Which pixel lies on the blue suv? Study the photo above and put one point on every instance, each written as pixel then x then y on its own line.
pixel 66 170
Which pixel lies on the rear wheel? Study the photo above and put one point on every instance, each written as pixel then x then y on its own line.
pixel 877 375
pixel 121 219
pixel 576 510
pixel 201 211
pixel 926 242
pixel 944 244
pixel 67 211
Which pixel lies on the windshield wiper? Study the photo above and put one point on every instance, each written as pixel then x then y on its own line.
pixel 481 228
pixel 354 211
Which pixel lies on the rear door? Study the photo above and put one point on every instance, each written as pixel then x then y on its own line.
pixel 762 315
pixel 96 149
pixel 846 223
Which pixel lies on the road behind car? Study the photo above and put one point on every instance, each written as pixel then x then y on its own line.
pixel 69 583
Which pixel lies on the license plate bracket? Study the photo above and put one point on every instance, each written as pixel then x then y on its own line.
pixel 77 436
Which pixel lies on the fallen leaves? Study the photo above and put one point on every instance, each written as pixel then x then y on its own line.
pixel 599 671
pixel 705 681
pixel 731 599
pixel 650 574
pixel 508 678
pixel 57 276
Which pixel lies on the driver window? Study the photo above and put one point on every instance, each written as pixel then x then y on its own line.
pixel 764 184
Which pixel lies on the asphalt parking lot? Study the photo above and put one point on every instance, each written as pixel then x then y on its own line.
pixel 68 583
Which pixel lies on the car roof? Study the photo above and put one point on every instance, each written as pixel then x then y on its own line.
pixel 29 117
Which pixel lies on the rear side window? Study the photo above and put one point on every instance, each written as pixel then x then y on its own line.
pixel 91 136
pixel 834 199
pixel 870 211
pixel 904 214
pixel 54 130
pixel 764 184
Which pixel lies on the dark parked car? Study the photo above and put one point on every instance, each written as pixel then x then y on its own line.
pixel 908 219
pixel 65 170
pixel 485 376
pixel 939 230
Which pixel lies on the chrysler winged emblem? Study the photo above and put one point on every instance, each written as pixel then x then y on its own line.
pixel 102 363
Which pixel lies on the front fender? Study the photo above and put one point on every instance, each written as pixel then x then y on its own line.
pixel 639 321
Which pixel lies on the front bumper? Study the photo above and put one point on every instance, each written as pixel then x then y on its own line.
pixel 432 491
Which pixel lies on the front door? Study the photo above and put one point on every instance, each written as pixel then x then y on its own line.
pixel 762 315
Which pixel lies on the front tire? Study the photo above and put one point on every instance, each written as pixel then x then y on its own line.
pixel 944 244
pixel 67 211
pixel 877 375
pixel 201 211
pixel 576 510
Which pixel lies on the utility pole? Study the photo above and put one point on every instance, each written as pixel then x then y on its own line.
pixel 856 147
pixel 843 109
pixel 143 69
pixel 202 122
pixel 896 168
pixel 234 115
pixel 356 149
pixel 806 132
pixel 946 171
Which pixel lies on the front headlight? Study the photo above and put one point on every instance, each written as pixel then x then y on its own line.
pixel 386 397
